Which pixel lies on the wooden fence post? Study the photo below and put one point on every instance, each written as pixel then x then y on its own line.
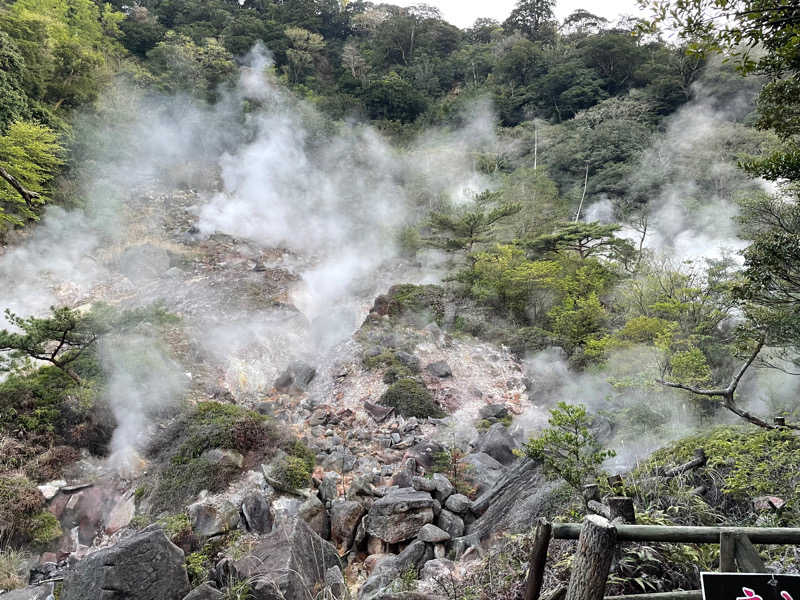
pixel 592 561
pixel 538 558
pixel 746 555
pixel 727 546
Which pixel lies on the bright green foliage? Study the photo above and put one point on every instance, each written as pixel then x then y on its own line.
pixel 410 398
pixel 392 97
pixel 748 462
pixel 415 301
pixel 506 278
pixel 32 155
pixel 567 449
pixel 184 66
pixel 292 473
pixel 13 101
pixel 68 47
pixel 585 240
pixel 197 567
pixel 577 320
pixel 60 339
pixel 305 45
pixel 462 228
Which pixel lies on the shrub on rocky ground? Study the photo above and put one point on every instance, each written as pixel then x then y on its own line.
pixel 23 515
pixel 410 398
pixel 291 472
pixel 12 568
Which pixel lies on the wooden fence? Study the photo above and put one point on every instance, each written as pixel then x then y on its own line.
pixel 598 537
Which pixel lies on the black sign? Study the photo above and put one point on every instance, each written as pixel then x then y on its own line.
pixel 750 586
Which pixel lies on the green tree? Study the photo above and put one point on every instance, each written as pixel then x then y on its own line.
pixel 304 47
pixel 13 100
pixel 533 18
pixel 586 240
pixel 29 157
pixel 567 448
pixel 59 339
pixel 461 229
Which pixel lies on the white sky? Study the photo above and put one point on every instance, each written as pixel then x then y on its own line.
pixel 464 12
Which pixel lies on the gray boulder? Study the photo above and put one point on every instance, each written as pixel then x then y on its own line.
pixel 408 360
pixel 313 512
pixel 287 563
pixel 498 444
pixel 432 534
pixel 451 523
pixel 481 470
pixel 438 568
pixel 443 487
pixel 204 592
pixel 345 517
pixel 328 489
pixel 33 592
pixel 386 571
pixel 439 369
pixel 458 503
pixel 296 378
pixel 145 566
pixel 399 515
pixel 257 513
pixel 213 518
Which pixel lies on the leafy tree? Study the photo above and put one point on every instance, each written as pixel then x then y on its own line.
pixel 181 65
pixel 29 157
pixel 532 18
pixel 60 339
pixel 13 100
pixel 463 228
pixel 568 449
pixel 392 97
pixel 304 46
pixel 585 240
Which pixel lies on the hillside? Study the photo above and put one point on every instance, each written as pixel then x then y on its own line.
pixel 321 299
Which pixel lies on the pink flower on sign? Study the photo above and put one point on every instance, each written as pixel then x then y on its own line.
pixel 786 596
pixel 750 595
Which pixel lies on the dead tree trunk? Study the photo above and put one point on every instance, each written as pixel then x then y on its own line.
pixel 592 560
pixel 698 461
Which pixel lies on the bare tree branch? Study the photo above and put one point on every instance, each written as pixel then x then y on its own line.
pixel 727 393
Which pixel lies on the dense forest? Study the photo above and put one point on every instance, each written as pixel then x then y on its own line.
pixel 597 222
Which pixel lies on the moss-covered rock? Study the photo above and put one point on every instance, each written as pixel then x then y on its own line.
pixel 410 398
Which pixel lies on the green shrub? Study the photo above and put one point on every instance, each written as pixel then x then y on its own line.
pixel 298 449
pixel 748 462
pixel 411 398
pixel 22 512
pixel 178 483
pixel 197 566
pixel 291 472
pixel 12 568
pixel 417 302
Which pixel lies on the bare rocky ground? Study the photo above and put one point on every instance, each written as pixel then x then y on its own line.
pixel 374 513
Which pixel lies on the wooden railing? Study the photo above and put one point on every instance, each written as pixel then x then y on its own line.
pixel 597 539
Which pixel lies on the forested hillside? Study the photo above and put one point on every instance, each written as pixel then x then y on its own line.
pixel 268 266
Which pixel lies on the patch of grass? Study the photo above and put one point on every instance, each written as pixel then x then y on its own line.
pixel 12 568
pixel 411 398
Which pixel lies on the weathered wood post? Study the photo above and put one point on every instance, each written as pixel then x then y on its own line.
pixel 780 421
pixel 621 507
pixel 538 558
pixel 592 561
pixel 727 547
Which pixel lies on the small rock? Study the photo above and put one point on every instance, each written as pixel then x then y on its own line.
pixel 408 360
pixel 329 488
pixel 451 523
pixel 439 369
pixel 313 512
pixel 224 457
pixel 443 487
pixel 492 411
pixel 498 444
pixel 257 513
pixel 458 503
pixel 213 518
pixel 204 592
pixel 432 534
pixel 423 484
